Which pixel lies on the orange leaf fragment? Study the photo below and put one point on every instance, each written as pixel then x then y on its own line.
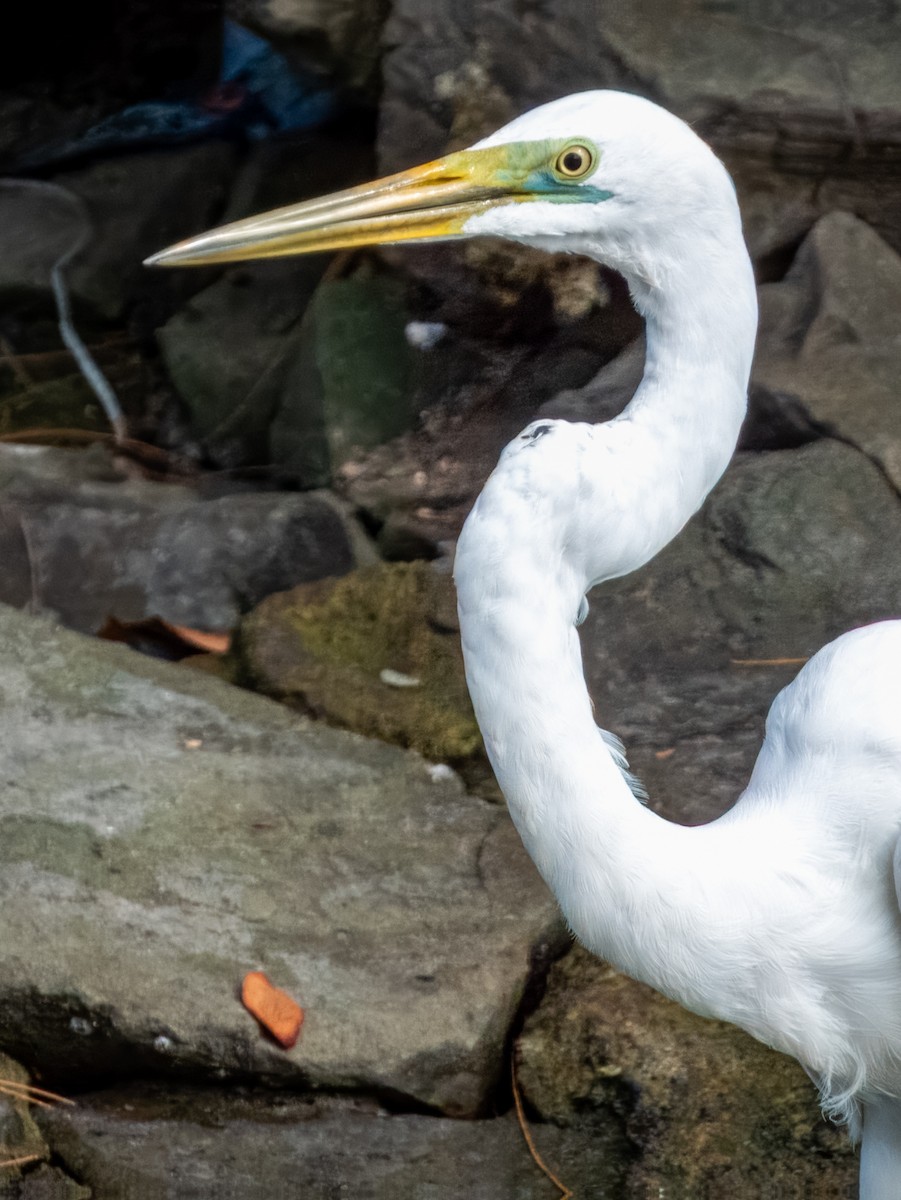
pixel 162 639
pixel 201 639
pixel 663 755
pixel 274 1009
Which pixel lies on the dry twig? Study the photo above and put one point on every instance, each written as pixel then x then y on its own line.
pixel 9 1163
pixel 565 1193
pixel 768 662
pixel 32 1095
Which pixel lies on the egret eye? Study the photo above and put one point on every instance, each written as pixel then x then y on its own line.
pixel 574 162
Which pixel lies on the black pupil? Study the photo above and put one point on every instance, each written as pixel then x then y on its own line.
pixel 573 161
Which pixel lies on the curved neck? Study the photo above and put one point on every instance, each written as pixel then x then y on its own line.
pixel 562 511
pixel 681 427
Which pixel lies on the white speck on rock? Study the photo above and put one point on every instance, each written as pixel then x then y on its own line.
pixel 398 679
pixel 424 335
pixel 441 772
pixel 81 1026
pixel 163 1044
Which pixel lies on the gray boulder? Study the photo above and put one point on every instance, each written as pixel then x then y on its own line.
pixel 162 833
pixel 79 539
pixel 134 205
pixel 830 341
pixel 227 353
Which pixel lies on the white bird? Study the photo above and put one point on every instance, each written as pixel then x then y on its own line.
pixel 783 915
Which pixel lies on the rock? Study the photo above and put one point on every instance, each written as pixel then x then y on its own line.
pixel 39 227
pixel 79 539
pixel 162 833
pixel 707 1110
pixel 131 205
pixel 349 387
pixel 830 342
pixel 261 357
pixel 228 352
pixel 24 1169
pixel 138 203
pixel 134 1142
pixel 420 486
pixel 50 1183
pixel 804 106
pixel 345 33
pixel 377 652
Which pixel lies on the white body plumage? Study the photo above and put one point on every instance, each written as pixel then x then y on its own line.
pixel 783 915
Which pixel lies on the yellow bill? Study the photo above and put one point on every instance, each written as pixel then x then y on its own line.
pixel 431 202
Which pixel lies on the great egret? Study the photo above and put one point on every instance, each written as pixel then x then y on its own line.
pixel 782 916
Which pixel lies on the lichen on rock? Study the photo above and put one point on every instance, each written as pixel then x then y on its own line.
pixel 708 1111
pixel 330 648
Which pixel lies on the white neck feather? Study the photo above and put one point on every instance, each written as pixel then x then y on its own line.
pixel 563 510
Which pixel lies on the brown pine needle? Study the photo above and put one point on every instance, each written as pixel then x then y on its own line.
pixel 8 1163
pixel 565 1193
pixel 768 662
pixel 33 1095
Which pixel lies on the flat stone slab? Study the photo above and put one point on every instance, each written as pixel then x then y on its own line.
pixel 162 833
pixel 139 1146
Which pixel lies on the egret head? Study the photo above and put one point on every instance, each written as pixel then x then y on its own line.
pixel 601 173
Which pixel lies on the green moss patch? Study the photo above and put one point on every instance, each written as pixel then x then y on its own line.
pixel 334 647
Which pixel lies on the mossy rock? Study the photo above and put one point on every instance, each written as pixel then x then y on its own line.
pixel 708 1111
pixel 377 651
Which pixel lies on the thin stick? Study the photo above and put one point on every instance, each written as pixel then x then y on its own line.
pixel 4 1091
pixel 768 662
pixel 19 1162
pixel 565 1193
pixel 12 1087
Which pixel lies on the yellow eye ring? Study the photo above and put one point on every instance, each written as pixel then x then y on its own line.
pixel 574 162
